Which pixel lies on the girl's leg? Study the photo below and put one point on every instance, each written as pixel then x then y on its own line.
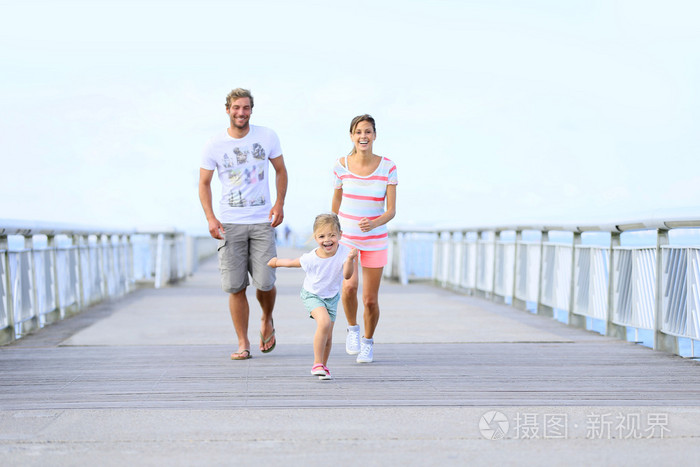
pixel 371 279
pixel 322 339
pixel 349 297
pixel 329 344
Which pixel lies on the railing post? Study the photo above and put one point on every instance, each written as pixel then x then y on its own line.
pixel 517 303
pixel 87 280
pixel 496 239
pixel 612 329
pixel 34 322
pixel 7 334
pixel 160 248
pixel 103 262
pixel 542 309
pixel 55 314
pixel 575 320
pixel 447 264
pixel 477 260
pixel 662 341
pixel 436 257
pixel 130 263
pixel 457 262
pixel 401 264
pixel 191 254
pixel 463 254
pixel 465 261
pixel 182 258
pixel 126 272
pixel 445 239
pixel 80 299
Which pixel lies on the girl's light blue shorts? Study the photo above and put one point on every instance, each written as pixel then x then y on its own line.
pixel 313 301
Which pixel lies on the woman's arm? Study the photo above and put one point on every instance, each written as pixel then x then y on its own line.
pixel 284 263
pixel 337 198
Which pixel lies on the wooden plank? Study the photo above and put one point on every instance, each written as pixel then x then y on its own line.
pixel 434 351
pixel 434 374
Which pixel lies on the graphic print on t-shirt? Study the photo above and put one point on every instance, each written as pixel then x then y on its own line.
pixel 235 176
pixel 241 155
pixel 258 151
pixel 245 172
pixel 251 175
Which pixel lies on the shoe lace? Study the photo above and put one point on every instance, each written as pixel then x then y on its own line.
pixel 365 350
pixel 353 338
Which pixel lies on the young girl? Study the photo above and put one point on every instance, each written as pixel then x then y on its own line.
pixel 325 266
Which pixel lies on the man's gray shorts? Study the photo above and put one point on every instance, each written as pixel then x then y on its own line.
pixel 246 248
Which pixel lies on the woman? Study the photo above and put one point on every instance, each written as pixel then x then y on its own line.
pixel 365 200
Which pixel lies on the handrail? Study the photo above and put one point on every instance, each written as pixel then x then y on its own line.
pixel 31 228
pixel 650 223
pixel 43 280
pixel 625 288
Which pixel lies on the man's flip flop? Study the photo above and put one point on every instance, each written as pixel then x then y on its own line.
pixel 241 355
pixel 264 341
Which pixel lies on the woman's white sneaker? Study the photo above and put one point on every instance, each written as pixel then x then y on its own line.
pixel 352 341
pixel 366 354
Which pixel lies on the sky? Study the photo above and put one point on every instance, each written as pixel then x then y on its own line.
pixel 495 112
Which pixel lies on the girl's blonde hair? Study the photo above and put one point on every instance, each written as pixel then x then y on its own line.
pixel 323 220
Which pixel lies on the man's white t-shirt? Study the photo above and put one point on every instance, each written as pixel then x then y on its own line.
pixel 243 166
pixel 324 275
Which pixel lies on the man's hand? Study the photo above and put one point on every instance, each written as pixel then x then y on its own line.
pixel 276 215
pixel 216 230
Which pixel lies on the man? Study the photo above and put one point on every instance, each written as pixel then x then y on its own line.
pixel 247 216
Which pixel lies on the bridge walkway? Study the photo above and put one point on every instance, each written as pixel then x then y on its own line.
pixel 147 380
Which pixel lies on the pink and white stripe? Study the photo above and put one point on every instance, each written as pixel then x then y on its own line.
pixel 364 197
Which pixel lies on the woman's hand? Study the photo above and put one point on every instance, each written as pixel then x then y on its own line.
pixel 366 225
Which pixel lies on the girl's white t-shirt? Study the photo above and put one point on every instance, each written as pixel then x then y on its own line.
pixel 324 275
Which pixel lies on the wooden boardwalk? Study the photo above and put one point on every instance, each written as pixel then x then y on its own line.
pixel 151 371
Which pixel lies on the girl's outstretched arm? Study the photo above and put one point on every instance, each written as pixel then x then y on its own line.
pixel 349 264
pixel 284 263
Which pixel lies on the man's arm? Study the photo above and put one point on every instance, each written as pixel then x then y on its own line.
pixel 277 211
pixel 216 230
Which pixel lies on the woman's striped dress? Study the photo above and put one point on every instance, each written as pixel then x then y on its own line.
pixel 363 197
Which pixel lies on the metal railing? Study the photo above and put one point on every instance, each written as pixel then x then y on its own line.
pixel 653 286
pixel 51 271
